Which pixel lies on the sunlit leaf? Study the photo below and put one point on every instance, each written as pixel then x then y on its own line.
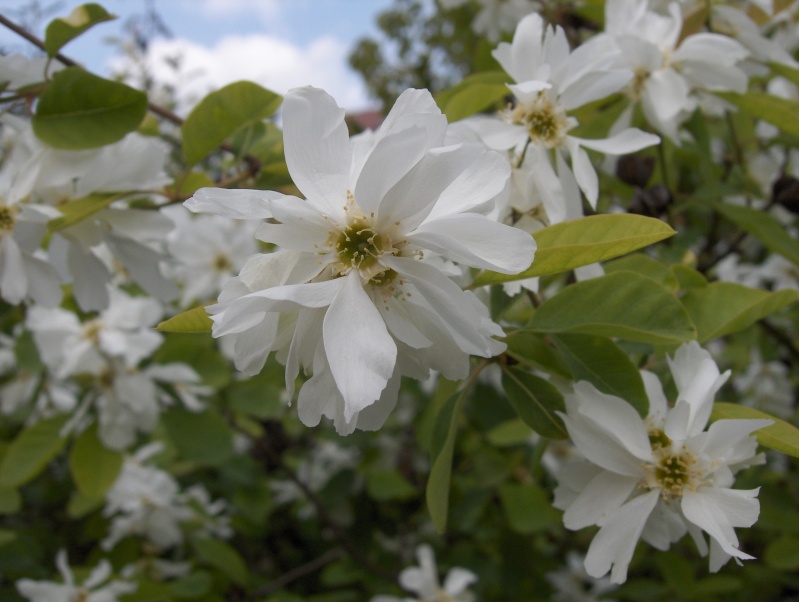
pixel 622 304
pixel 725 307
pixel 584 241
pixel 79 110
pixel 780 436
pixel 60 31
pixel 473 94
pixel 220 114
pixel 192 320
pixel 79 209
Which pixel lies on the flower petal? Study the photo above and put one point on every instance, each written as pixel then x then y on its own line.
pixel 238 204
pixel 603 494
pixel 717 511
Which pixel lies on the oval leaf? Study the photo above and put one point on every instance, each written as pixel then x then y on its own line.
pixel 79 110
pixel 201 437
pixel 536 401
pixel 61 31
pixel 782 112
pixel 441 451
pixel 622 304
pixel 600 361
pixel 192 320
pixel 222 556
pixel 473 94
pixel 725 307
pixel 584 241
pixel 780 436
pixel 764 227
pixel 30 452
pixel 79 209
pixel 93 466
pixel 222 113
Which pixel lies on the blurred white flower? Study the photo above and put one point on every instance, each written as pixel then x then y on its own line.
pixel 766 386
pixel 92 589
pixel 572 584
pixel 496 17
pixel 351 295
pixel 423 581
pixel 661 477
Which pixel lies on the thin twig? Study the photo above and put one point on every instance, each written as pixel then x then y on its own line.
pixel 302 570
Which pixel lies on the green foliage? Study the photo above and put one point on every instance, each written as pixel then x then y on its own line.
pixel 764 227
pixel 79 110
pixel 584 241
pixel 781 436
pixel 622 304
pixel 222 113
pixel 781 112
pixel 602 363
pixel 31 451
pixel 722 308
pixel 475 93
pixel 195 320
pixel 93 466
pixel 536 401
pixel 442 448
pixel 200 437
pixel 224 557
pixel 78 210
pixel 61 31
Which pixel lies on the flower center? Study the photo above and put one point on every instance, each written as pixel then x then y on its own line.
pixel 359 246
pixel 546 122
pixel 91 330
pixel 674 473
pixel 222 263
pixel 8 219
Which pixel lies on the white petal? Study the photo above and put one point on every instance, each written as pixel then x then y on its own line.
pixel 615 543
pixel 238 204
pixel 359 349
pixel 723 435
pixel 584 171
pixel 13 279
pixel 372 417
pixel 626 141
pixel 317 147
pixel 665 94
pixel 658 405
pixel 594 86
pixel 457 580
pixel 477 241
pixel 606 492
pixel 717 511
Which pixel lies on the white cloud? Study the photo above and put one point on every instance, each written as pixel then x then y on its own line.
pixel 266 60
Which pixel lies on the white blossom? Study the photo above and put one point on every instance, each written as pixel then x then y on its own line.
pixel 658 478
pixel 351 295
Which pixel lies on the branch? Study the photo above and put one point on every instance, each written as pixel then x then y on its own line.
pixel 300 571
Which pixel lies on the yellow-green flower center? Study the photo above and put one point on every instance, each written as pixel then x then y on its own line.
pixel 546 122
pixel 8 219
pixel 359 246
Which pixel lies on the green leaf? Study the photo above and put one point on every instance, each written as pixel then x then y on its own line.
pixel 786 71
pixel 764 227
pixel 93 466
pixel 10 501
pixel 60 31
pixel 220 114
pixel 527 508
pixel 780 436
pixel 199 352
pixel 188 183
pixel 782 112
pixel 201 437
pixel 600 361
pixel 474 93
pixel 222 556
pixel 509 433
pixel 29 453
pixel 192 320
pixel 7 536
pixel 783 554
pixel 191 586
pixel 623 304
pixel 80 505
pixel 584 241
pixel 533 350
pixel 644 265
pixel 441 452
pixel 725 307
pixel 79 209
pixel 386 485
pixel 536 401
pixel 79 110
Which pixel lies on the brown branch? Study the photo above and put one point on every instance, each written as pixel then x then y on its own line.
pixel 299 572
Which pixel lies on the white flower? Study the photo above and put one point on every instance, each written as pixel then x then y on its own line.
pixel 92 589
pixel 351 296
pixel 572 584
pixel 18 71
pixel 496 16
pixel 669 71
pixel 147 501
pixel 551 81
pixel 766 386
pixel 423 581
pixel 209 250
pixel 660 478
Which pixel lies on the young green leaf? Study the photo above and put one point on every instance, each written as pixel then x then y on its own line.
pixel 60 31
pixel 473 94
pixel 220 114
pixel 441 453
pixel 600 361
pixel 79 110
pixel 725 307
pixel 79 209
pixel 780 436
pixel 764 227
pixel 536 401
pixel 584 241
pixel 29 453
pixel 622 304
pixel 93 466
pixel 191 320
pixel 782 112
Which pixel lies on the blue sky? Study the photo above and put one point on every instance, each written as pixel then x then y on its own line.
pixel 278 43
